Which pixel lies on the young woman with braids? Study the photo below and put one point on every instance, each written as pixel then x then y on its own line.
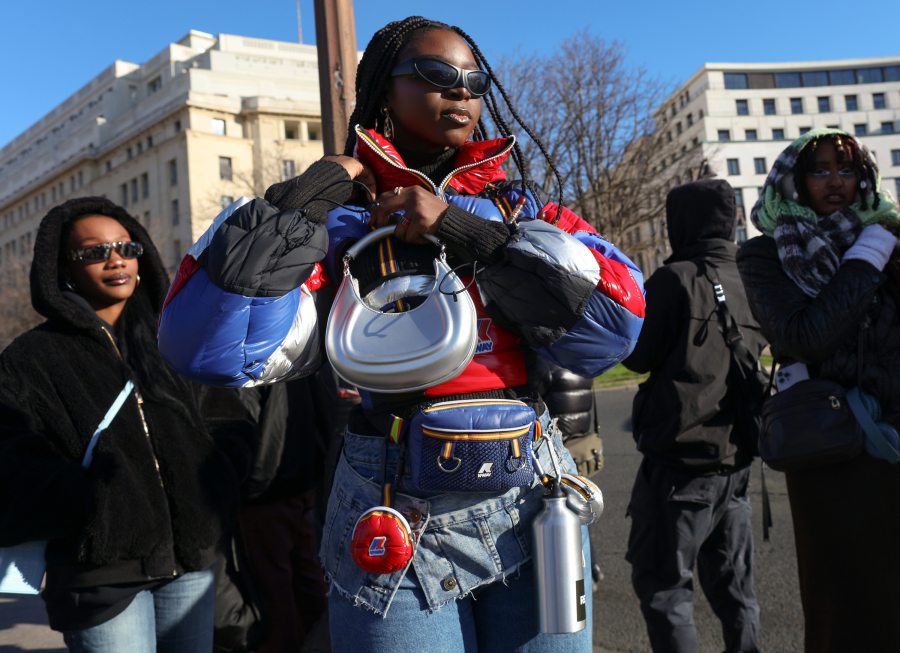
pixel 244 302
pixel 824 282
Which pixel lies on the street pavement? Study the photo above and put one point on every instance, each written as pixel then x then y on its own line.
pixel 618 624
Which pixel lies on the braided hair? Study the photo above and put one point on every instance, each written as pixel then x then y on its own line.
pixel 373 75
pixel 849 151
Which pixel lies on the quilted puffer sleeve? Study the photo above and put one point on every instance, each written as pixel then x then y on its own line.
pixel 242 309
pixel 568 292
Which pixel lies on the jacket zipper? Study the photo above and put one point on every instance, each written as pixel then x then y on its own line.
pixel 438 190
pixel 140 407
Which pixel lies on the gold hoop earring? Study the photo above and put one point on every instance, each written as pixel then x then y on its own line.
pixel 388 125
pixel 138 282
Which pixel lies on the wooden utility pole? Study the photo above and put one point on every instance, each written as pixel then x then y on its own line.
pixel 336 43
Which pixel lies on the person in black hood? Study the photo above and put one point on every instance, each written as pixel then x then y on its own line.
pixel 690 501
pixel 132 533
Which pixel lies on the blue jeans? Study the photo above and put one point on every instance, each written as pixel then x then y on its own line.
pixel 470 586
pixel 175 618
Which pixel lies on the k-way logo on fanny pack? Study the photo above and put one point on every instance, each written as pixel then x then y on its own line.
pixel 485 344
pixel 376 548
pixel 485 470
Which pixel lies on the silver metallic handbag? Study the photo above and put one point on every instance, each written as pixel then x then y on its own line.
pixel 401 352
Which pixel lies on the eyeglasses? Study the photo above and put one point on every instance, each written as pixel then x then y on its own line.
pixel 103 251
pixel 445 75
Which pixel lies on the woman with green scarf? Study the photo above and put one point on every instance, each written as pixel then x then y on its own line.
pixel 824 278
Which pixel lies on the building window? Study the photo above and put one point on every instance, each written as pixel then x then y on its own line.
pixel 53 190
pixel 759 165
pixel 869 76
pixel 850 102
pixel 769 107
pixel 750 135
pixel 108 166
pixel 134 190
pixel 218 126
pixel 80 179
pixel 824 105
pixel 742 109
pixel 173 172
pixel 225 201
pixel 897 187
pixel 895 157
pixel 803 130
pixel 149 142
pixel 740 235
pixel 787 80
pixel 145 185
pixel 124 193
pixel 128 153
pixel 887 128
pixel 668 137
pixel 314 131
pixel 796 105
pixel 815 78
pixel 678 129
pixel 735 80
pixel 177 126
pixel 690 119
pixel 695 142
pixel 724 135
pixel 700 114
pixel 140 147
pixel 291 130
pixel 175 217
pixel 878 100
pixel 154 85
pixel 734 167
pixel 738 197
pixel 859 130
pixel 287 169
pixel 225 168
pixel 72 183
pixel 843 77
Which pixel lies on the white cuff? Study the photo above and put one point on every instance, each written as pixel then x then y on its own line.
pixel 874 246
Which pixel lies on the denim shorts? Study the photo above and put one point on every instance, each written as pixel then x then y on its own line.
pixel 464 541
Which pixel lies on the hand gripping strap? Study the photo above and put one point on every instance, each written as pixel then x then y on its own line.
pixel 381 542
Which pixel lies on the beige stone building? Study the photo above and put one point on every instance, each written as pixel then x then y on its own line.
pixel 206 120
pixel 740 117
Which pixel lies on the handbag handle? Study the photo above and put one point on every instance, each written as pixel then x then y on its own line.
pixel 380 234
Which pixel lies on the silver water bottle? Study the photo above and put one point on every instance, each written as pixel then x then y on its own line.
pixel 559 565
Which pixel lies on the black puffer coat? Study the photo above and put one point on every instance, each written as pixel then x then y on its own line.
pixel 683 415
pixel 121 520
pixel 823 331
pixel 568 397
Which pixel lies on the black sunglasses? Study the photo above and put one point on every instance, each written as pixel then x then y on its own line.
pixel 103 251
pixel 445 75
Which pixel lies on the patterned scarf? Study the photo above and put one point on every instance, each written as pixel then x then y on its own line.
pixel 811 246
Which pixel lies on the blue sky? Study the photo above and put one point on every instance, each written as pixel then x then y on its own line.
pixel 50 50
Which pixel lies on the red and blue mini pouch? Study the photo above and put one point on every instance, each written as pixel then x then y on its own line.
pixel 473 445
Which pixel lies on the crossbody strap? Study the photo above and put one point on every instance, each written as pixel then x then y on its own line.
pixel 107 420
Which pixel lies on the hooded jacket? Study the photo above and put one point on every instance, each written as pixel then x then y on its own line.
pixel 159 493
pixel 682 415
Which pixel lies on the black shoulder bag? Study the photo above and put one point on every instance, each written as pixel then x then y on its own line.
pixel 811 424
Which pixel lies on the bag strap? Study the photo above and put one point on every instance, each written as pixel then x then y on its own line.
pixel 873 434
pixel 107 420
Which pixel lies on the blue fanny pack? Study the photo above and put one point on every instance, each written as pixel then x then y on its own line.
pixel 473 445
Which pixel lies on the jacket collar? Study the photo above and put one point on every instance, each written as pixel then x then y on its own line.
pixel 477 164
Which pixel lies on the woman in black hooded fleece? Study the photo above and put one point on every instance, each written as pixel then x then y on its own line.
pixel 132 538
